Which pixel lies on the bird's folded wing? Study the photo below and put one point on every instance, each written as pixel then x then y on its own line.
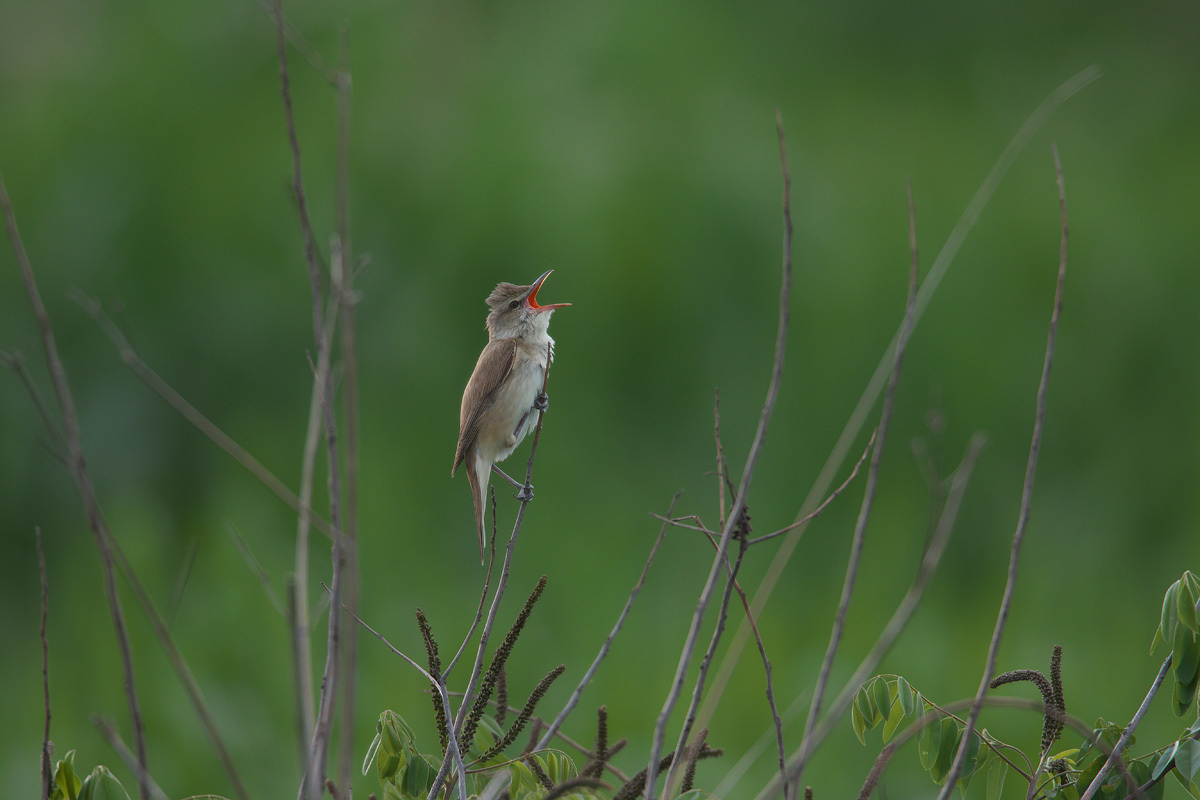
pixel 495 362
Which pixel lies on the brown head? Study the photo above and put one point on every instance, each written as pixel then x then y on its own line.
pixel 516 312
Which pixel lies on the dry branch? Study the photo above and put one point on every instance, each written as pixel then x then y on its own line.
pixel 875 384
pixel 1026 499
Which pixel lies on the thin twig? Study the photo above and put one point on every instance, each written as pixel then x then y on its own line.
pixel 535 745
pixel 750 756
pixel 767 670
pixel 1085 730
pixel 256 567
pixel 875 385
pixel 689 719
pixel 314 58
pixel 904 611
pixel 79 471
pixel 739 502
pixel 864 513
pixel 485 635
pixel 816 512
pixel 189 412
pixel 181 580
pixel 317 758
pixel 487 580
pixel 109 731
pixel 439 685
pixel 310 246
pixel 347 298
pixel 722 467
pixel 573 700
pixel 56 446
pixel 301 695
pixel 47 746
pixel 1026 497
pixel 335 654
pixel 163 633
pixel 1127 734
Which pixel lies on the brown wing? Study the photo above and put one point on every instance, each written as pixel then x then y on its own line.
pixel 493 367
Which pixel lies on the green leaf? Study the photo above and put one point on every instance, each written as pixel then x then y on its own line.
pixel 65 780
pixel 395 735
pixel 858 723
pixel 1170 613
pixel 1187 785
pixel 1182 697
pixel 1186 647
pixel 894 719
pixel 997 771
pixel 1089 773
pixel 520 779
pixel 1156 791
pixel 904 693
pixel 973 762
pixel 1164 761
pixel 1187 758
pixel 948 747
pixel 418 778
pixel 370 756
pixel 1185 605
pixel 102 785
pixel 929 739
pixel 864 702
pixel 1139 770
pixel 392 792
pixel 882 700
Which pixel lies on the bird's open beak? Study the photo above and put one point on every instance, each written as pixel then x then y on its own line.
pixel 532 298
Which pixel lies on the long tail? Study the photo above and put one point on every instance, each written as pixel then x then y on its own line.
pixel 479 485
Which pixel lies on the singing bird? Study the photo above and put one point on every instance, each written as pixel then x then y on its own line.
pixel 503 400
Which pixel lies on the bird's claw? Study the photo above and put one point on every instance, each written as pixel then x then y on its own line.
pixel 541 402
pixel 525 493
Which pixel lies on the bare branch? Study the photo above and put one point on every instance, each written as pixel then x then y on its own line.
pixel 109 731
pixel 1127 734
pixel 439 685
pixel 485 635
pixel 163 633
pixel 57 446
pixel 1081 727
pixel 864 513
pixel 189 412
pixel 79 471
pixel 47 745
pixel 816 512
pixel 1026 499
pixel 314 58
pixel 343 286
pixel 573 700
pixel 904 611
pixel 256 567
pixel 487 579
pixel 875 385
pixel 682 745
pixel 739 502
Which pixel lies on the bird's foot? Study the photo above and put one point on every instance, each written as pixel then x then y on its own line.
pixel 526 493
pixel 541 402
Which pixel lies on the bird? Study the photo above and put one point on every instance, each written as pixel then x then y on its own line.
pixel 504 400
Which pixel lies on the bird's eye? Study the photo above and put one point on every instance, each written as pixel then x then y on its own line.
pixel 514 304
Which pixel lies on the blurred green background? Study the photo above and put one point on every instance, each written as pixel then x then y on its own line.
pixel 631 148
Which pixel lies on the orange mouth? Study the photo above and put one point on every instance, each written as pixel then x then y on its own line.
pixel 532 298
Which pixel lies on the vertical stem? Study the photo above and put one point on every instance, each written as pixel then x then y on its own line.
pixel 1018 539
pixel 46 776
pixel 79 471
pixel 345 296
